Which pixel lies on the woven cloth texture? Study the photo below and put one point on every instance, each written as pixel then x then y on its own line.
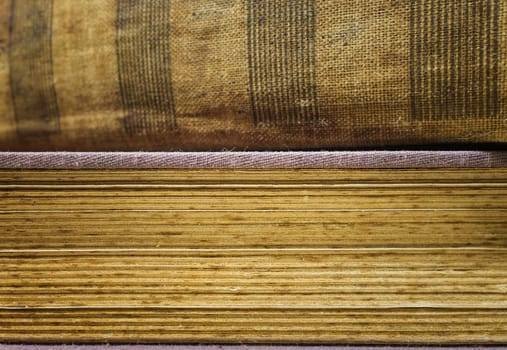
pixel 238 347
pixel 204 75
pixel 252 160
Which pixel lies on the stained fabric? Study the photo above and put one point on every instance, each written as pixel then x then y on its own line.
pixel 207 75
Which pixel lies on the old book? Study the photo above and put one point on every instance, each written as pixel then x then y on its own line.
pixel 244 256
pixel 245 74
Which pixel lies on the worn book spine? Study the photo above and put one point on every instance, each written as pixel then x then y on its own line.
pixel 248 74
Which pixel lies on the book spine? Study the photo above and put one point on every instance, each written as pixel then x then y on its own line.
pixel 244 74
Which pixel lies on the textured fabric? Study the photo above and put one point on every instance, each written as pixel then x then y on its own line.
pixel 237 347
pixel 201 75
pixel 253 160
